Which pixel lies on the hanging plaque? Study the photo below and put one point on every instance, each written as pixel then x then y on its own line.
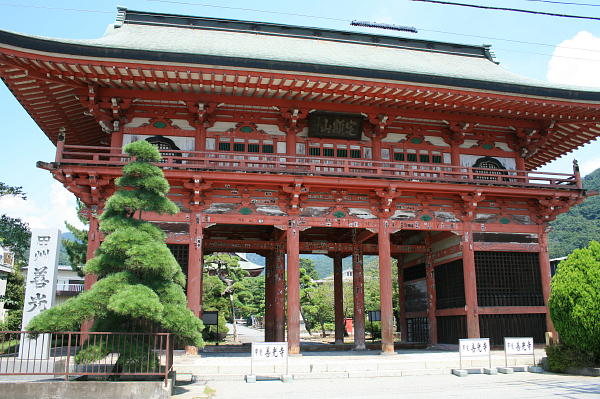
pixel 335 125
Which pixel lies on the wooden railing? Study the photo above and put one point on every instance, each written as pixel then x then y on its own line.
pixel 322 166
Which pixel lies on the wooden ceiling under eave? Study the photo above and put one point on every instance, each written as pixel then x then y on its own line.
pixel 49 88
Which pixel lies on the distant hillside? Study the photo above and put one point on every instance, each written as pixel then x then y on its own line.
pixel 576 228
pixel 323 263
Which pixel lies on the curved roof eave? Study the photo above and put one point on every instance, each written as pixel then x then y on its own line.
pixel 75 49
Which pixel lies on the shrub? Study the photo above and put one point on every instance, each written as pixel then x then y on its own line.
pixel 561 357
pixel 575 302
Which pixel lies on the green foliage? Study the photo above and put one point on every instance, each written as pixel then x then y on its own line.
pixel 6 190
pixel 15 289
pixel 575 300
pixel 317 306
pixel 140 282
pixel 12 321
pixel 576 228
pixel 250 297
pixel 316 301
pixel 15 235
pixel 76 249
pixel 562 357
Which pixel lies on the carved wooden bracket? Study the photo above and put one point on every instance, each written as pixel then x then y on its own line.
pixel 110 113
pixel 292 119
pixel 203 114
pixel 470 202
pixel 197 188
pixel 294 196
pixel 458 131
pixel 386 200
pixel 376 125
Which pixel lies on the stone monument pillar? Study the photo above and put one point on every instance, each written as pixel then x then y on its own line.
pixel 40 288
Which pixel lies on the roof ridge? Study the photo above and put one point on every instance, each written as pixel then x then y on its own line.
pixel 133 17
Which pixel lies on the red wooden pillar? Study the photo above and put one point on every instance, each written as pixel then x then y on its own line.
pixel 401 299
pixel 358 289
pixel 455 154
pixel 293 288
pixel 385 287
pixel 90 279
pixel 545 274
pixel 270 293
pixel 200 140
pixel 290 142
pixel 431 295
pixel 279 294
pixel 116 142
pixel 470 282
pixel 338 298
pixel 194 277
pixel 376 143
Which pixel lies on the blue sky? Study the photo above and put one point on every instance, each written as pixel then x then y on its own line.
pixel 547 48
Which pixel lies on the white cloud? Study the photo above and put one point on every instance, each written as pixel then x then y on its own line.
pixel 576 61
pixel 589 166
pixel 48 212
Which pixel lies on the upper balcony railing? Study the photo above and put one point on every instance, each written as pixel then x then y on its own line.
pixel 322 166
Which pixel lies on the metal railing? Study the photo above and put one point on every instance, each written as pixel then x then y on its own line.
pixel 69 288
pixel 323 166
pixel 76 354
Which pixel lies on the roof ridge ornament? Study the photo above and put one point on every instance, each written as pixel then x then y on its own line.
pixel 121 14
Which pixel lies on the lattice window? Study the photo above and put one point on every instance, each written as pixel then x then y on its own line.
pixel 449 285
pixel 267 148
pixel 451 328
pixel 181 253
pixel 239 147
pixel 253 147
pixel 164 144
pixel 414 272
pixel 415 296
pixel 498 326
pixel 314 151
pixel 492 167
pixel 418 329
pixel 508 279
pixel 224 146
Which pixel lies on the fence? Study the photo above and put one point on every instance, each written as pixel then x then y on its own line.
pixel 76 354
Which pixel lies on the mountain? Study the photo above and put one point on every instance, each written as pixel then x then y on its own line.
pixel 581 224
pixel 323 263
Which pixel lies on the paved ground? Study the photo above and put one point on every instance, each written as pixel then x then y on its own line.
pixel 518 385
pixel 246 334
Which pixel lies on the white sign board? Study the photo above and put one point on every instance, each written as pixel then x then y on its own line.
pixel 518 346
pixel 40 287
pixel 269 351
pixel 474 347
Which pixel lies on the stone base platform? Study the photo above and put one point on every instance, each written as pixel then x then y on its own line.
pixel 338 364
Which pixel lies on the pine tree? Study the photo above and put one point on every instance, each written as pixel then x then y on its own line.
pixel 140 283
pixel 77 249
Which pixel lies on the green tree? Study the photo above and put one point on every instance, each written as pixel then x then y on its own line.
pixel 140 283
pixel 226 267
pixel 14 233
pixel 580 225
pixel 5 190
pixel 15 236
pixel 77 249
pixel 575 301
pixel 212 300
